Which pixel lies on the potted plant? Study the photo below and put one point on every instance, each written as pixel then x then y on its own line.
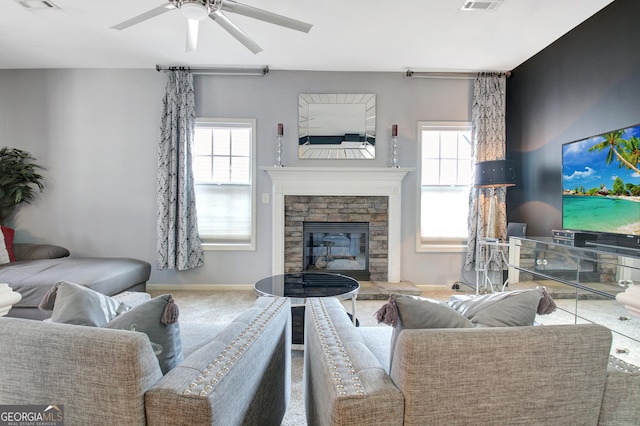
pixel 19 179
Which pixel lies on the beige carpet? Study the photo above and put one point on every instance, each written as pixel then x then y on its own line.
pixel 222 306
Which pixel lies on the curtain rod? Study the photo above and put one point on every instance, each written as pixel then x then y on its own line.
pixel 450 75
pixel 257 71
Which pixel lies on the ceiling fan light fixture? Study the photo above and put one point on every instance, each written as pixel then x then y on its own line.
pixel 194 10
pixel 198 10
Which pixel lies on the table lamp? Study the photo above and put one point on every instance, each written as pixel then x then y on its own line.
pixel 494 174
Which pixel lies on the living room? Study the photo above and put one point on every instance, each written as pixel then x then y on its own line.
pixel 96 131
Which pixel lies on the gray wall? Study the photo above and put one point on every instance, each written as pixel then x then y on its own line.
pixel 586 83
pixel 96 132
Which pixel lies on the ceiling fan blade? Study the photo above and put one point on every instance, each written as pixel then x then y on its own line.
pixel 192 34
pixel 143 17
pixel 236 32
pixel 263 15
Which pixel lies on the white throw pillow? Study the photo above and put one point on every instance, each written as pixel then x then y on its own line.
pixel 4 254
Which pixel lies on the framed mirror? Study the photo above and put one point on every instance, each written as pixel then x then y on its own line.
pixel 337 126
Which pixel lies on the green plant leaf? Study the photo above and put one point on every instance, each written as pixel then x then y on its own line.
pixel 18 175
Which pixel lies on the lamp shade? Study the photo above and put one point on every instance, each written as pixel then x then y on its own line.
pixel 489 174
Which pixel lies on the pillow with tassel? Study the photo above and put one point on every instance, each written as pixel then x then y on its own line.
pixel 504 309
pixel 419 312
pixel 158 319
pixel 403 311
pixel 73 303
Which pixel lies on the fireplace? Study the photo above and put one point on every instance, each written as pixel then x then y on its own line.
pixel 377 182
pixel 336 247
pixel 327 216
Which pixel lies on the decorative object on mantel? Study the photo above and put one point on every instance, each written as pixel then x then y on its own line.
pixel 279 146
pixel 394 146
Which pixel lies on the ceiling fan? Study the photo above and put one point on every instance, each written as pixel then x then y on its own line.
pixel 198 10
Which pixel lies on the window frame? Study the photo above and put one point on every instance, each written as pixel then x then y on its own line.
pixel 447 245
pixel 251 124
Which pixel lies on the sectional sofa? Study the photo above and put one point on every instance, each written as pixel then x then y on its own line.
pixel 560 375
pixel 39 266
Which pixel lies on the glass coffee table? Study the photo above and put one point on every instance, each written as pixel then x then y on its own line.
pixel 299 286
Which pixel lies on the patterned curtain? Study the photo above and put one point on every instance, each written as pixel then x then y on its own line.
pixel 488 143
pixel 178 245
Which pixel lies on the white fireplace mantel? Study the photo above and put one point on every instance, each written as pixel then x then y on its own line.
pixel 364 181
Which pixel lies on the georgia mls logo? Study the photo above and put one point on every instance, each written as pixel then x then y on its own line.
pixel 31 415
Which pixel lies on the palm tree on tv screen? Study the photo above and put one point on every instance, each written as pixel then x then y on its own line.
pixel 632 150
pixel 621 149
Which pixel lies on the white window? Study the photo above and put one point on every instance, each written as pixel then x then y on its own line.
pixel 224 174
pixel 445 179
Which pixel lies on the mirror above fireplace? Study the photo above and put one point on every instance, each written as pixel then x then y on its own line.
pixel 336 126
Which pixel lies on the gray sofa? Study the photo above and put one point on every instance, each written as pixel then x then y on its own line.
pixel 232 374
pixel 560 375
pixel 39 266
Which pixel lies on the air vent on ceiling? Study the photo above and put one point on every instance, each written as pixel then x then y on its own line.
pixel 38 4
pixel 481 5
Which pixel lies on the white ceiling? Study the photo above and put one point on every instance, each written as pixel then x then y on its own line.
pixel 347 35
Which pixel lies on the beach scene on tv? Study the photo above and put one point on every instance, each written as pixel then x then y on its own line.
pixel 601 183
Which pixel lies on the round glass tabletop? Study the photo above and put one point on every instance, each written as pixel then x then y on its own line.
pixel 308 284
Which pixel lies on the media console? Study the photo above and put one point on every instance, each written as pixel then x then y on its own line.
pixel 613 248
pixel 607 241
pixel 584 282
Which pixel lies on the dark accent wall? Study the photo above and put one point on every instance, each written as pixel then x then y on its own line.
pixel 584 84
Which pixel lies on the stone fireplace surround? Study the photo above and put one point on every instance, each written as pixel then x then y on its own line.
pixel 331 208
pixel 337 181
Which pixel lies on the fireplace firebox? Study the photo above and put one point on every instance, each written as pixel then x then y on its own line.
pixel 337 247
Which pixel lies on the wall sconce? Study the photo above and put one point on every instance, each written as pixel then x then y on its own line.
pixel 494 174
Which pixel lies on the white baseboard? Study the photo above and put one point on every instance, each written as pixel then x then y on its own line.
pixel 426 287
pixel 203 287
pixel 250 287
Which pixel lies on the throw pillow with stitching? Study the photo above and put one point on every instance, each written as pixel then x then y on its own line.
pixel 75 304
pixel 158 319
pixel 505 309
pixel 8 235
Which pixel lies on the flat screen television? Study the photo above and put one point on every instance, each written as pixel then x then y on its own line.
pixel 601 185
